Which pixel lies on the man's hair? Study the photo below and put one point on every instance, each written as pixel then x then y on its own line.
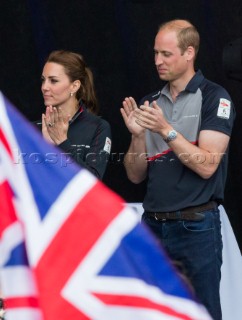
pixel 187 34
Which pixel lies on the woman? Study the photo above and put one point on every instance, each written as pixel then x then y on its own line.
pixel 71 120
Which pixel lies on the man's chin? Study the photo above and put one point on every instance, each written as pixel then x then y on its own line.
pixel 164 77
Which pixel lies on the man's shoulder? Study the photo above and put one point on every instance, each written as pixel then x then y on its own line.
pixel 213 90
pixel 150 97
pixel 209 85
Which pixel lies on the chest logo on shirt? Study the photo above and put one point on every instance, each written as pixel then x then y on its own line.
pixel 107 146
pixel 224 108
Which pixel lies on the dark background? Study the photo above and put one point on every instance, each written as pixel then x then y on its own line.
pixel 116 39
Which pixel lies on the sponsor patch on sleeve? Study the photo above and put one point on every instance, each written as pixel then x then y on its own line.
pixel 224 108
pixel 107 145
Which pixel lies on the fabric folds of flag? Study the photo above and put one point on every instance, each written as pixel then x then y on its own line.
pixel 70 248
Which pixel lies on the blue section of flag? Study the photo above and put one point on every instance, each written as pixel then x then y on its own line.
pixel 18 256
pixel 139 256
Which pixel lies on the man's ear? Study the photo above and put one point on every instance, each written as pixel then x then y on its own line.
pixel 190 53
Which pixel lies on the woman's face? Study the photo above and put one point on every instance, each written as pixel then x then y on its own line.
pixel 56 86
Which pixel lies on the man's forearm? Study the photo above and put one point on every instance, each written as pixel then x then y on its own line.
pixel 135 160
pixel 205 158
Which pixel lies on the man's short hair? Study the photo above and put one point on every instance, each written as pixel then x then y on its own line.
pixel 187 34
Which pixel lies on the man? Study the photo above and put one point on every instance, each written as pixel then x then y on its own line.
pixel 180 138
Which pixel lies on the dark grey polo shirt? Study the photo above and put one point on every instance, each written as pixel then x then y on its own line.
pixel 203 105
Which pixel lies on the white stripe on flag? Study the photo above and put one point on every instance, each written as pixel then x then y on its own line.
pixel 24 314
pixel 19 282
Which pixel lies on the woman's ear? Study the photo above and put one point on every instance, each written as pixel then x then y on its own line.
pixel 76 85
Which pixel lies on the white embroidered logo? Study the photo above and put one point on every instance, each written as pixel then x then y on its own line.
pixel 224 108
pixel 107 146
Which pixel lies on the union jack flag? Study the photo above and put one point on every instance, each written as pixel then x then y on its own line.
pixel 70 248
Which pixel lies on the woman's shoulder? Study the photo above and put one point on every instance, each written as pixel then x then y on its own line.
pixel 98 119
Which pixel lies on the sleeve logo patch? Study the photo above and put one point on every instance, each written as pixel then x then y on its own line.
pixel 107 146
pixel 224 108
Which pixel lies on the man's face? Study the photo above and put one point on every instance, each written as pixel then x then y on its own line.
pixel 171 64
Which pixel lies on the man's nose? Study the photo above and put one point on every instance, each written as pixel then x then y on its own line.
pixel 158 59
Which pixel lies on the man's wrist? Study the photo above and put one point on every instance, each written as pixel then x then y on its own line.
pixel 138 136
pixel 170 136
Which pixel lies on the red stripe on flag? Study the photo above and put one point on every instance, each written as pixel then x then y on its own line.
pixel 72 243
pixel 139 302
pixel 7 209
pixel 21 302
pixel 5 143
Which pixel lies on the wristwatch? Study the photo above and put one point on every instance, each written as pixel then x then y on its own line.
pixel 171 136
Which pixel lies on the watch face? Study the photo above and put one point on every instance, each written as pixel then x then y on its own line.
pixel 171 136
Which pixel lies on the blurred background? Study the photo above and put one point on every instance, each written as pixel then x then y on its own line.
pixel 116 39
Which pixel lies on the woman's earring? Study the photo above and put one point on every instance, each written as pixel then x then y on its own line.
pixel 71 94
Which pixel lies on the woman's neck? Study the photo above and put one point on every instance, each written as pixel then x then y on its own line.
pixel 70 108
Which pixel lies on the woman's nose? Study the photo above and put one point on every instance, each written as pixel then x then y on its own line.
pixel 44 85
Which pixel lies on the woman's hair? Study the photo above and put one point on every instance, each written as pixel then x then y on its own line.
pixel 76 69
pixel 187 34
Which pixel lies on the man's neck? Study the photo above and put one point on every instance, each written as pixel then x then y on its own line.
pixel 180 84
